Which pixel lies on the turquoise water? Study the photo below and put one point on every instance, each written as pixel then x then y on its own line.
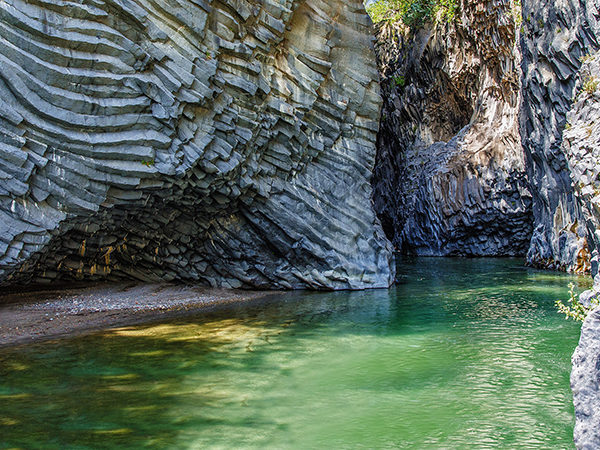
pixel 460 354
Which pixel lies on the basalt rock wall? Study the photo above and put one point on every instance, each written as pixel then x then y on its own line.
pixel 556 36
pixel 581 147
pixel 228 142
pixel 560 122
pixel 450 177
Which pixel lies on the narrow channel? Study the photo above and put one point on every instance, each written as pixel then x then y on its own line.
pixel 459 353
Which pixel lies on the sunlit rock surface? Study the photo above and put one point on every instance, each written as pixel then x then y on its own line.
pixel 230 143
pixel 581 146
pixel 585 384
pixel 556 36
pixel 450 175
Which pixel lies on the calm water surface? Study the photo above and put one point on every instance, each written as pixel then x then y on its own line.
pixel 460 354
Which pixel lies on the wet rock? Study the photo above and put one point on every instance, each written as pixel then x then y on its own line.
pixel 228 143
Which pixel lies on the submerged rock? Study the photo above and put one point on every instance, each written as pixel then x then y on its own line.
pixel 228 143
pixel 450 175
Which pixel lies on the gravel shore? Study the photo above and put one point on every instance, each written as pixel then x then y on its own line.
pixel 31 315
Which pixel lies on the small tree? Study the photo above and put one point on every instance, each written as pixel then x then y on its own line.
pixel 413 13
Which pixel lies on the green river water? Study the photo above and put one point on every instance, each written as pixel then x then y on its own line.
pixel 462 353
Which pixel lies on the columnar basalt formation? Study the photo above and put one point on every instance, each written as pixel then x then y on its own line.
pixel 450 176
pixel 227 142
pixel 559 127
pixel 556 36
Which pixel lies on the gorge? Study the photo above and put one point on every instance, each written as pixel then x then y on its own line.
pixel 293 145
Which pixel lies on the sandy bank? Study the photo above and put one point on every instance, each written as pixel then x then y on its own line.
pixel 28 316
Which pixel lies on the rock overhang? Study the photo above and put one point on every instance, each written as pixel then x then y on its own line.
pixel 227 143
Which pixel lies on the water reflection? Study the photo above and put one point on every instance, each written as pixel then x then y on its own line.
pixel 462 353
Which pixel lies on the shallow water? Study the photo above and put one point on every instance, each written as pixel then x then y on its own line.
pixel 460 354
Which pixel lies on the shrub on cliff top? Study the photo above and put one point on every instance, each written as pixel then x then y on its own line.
pixel 413 13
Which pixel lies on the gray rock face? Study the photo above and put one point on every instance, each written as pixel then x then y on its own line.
pixel 559 129
pixel 230 143
pixel 585 384
pixel 450 177
pixel 557 34
pixel 581 147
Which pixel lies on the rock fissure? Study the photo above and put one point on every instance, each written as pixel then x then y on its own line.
pixel 450 177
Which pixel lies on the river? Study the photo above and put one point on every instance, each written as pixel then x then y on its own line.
pixel 461 353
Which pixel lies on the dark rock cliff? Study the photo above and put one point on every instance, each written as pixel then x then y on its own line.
pixel 559 126
pixel 450 175
pixel 556 36
pixel 489 145
pixel 226 142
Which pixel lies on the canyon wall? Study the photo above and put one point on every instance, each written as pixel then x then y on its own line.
pixel 585 384
pixel 450 177
pixel 560 122
pixel 581 147
pixel 556 35
pixel 226 142
pixel 478 156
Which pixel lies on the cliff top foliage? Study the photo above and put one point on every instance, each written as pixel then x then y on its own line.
pixel 413 13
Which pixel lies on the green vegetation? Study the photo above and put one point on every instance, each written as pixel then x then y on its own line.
pixel 517 14
pixel 590 85
pixel 576 310
pixel 540 23
pixel 413 13
pixel 586 58
pixel 399 80
pixel 148 163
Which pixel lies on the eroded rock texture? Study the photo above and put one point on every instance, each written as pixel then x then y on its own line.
pixel 450 176
pixel 585 384
pixel 557 34
pixel 581 147
pixel 227 142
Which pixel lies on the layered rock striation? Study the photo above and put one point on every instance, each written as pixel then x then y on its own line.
pixel 226 142
pixel 450 176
